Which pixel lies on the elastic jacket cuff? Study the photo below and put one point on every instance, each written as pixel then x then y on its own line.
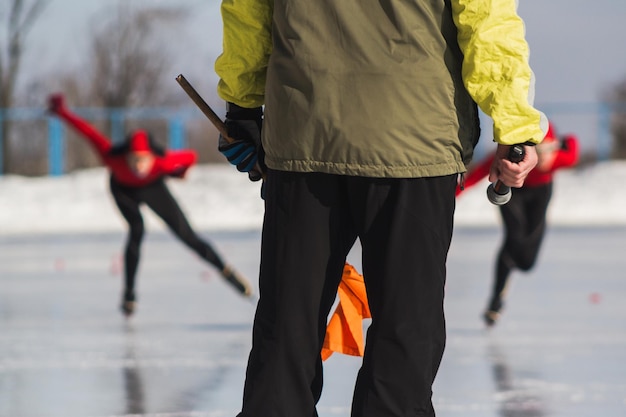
pixel 235 112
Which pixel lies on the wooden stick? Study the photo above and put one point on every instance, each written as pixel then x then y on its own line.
pixel 204 107
pixel 210 114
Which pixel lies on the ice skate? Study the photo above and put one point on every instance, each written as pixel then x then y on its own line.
pixel 492 314
pixel 129 304
pixel 237 281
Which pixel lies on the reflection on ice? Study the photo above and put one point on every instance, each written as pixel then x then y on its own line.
pixel 66 351
pixel 516 396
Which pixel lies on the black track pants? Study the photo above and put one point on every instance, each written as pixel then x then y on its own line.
pixel 524 218
pixel 160 200
pixel 311 222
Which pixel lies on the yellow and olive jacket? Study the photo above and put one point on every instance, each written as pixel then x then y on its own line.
pixel 378 88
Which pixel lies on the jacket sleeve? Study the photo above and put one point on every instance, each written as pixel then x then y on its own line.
pixel 496 71
pixel 176 163
pixel 100 142
pixel 247 44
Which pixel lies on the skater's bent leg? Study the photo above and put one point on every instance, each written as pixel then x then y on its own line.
pixel 537 201
pixel 503 268
pixel 131 255
pixel 305 240
pixel 161 201
pixel 406 234
pixel 524 219
pixel 127 200
pixel 506 262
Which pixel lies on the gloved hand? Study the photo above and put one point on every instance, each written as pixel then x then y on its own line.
pixel 245 151
pixel 567 140
pixel 56 103
pixel 179 172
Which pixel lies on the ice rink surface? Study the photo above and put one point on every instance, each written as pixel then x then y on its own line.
pixel 66 351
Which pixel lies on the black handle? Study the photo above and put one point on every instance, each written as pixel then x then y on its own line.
pixel 499 193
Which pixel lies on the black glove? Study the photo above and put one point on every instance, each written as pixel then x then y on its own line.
pixel 245 151
pixel 178 172
pixel 565 142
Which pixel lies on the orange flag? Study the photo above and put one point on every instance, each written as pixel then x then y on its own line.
pixel 344 333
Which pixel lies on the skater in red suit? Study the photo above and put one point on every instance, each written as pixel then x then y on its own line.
pixel 524 216
pixel 138 168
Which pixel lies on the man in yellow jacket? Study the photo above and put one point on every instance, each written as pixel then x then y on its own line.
pixel 363 114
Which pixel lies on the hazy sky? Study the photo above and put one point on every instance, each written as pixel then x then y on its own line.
pixel 61 35
pixel 577 46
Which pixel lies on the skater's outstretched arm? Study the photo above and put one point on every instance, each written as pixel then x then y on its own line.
pixel 568 154
pixel 176 163
pixel 56 106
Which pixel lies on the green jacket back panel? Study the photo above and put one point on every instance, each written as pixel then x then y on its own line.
pixel 357 87
pixel 368 88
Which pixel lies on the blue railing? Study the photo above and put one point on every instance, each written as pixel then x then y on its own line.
pixel 591 121
pixel 176 120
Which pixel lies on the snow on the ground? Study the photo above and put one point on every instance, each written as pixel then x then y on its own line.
pixel 217 197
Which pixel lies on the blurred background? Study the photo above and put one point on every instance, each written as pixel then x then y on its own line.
pixel 66 351
pixel 116 62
